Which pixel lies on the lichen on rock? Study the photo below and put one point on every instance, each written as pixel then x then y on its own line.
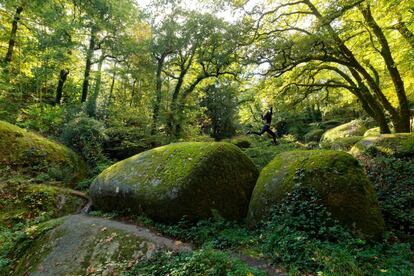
pixel 183 179
pixel 337 178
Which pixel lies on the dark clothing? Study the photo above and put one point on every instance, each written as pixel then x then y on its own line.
pixel 267 120
pixel 266 128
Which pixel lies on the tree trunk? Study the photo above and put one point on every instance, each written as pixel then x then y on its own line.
pixel 62 79
pixel 133 93
pixel 89 56
pixel 402 123
pixel 401 27
pixel 98 83
pixel 158 93
pixel 111 92
pixel 12 41
pixel 173 122
pixel 395 115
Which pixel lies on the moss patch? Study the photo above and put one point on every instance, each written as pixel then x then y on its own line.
pixel 183 179
pixel 336 177
pixel 26 153
pixel 20 203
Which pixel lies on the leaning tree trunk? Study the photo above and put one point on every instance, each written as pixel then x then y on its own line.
pixel 89 56
pixel 402 122
pixel 59 90
pixel 12 41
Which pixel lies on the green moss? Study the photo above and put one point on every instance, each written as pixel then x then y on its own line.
pixel 341 144
pixel 372 132
pixel 353 128
pixel 21 202
pixel 26 153
pixel 336 177
pixel 395 145
pixel 179 179
pixel 313 135
pixel 32 247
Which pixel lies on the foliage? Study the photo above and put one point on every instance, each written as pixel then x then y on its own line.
pixel 302 237
pixel 221 107
pixel 86 137
pixel 394 182
pixel 205 261
pixel 262 150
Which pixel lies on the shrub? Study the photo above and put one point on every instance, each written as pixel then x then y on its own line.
pixel 86 136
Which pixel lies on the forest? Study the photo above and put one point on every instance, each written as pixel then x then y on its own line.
pixel 206 137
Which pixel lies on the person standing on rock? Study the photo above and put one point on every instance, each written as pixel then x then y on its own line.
pixel 267 120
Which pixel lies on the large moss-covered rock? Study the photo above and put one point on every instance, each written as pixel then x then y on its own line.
pixel 335 176
pixel 26 153
pixel 395 145
pixel 341 144
pixel 81 245
pixel 23 202
pixel 353 128
pixel 183 179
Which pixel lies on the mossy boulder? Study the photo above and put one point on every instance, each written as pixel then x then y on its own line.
pixel 26 153
pixel 372 132
pixel 81 245
pixel 183 179
pixel 341 144
pixel 242 142
pixel 314 135
pixel 23 202
pixel 391 145
pixel 353 128
pixel 336 177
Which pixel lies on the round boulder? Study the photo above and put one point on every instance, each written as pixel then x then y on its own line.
pixel 335 176
pixel 26 153
pixel 353 128
pixel 183 179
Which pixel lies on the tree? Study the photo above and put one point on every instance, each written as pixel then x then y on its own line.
pixel 220 102
pixel 285 44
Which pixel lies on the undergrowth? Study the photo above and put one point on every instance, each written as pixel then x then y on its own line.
pixel 300 236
